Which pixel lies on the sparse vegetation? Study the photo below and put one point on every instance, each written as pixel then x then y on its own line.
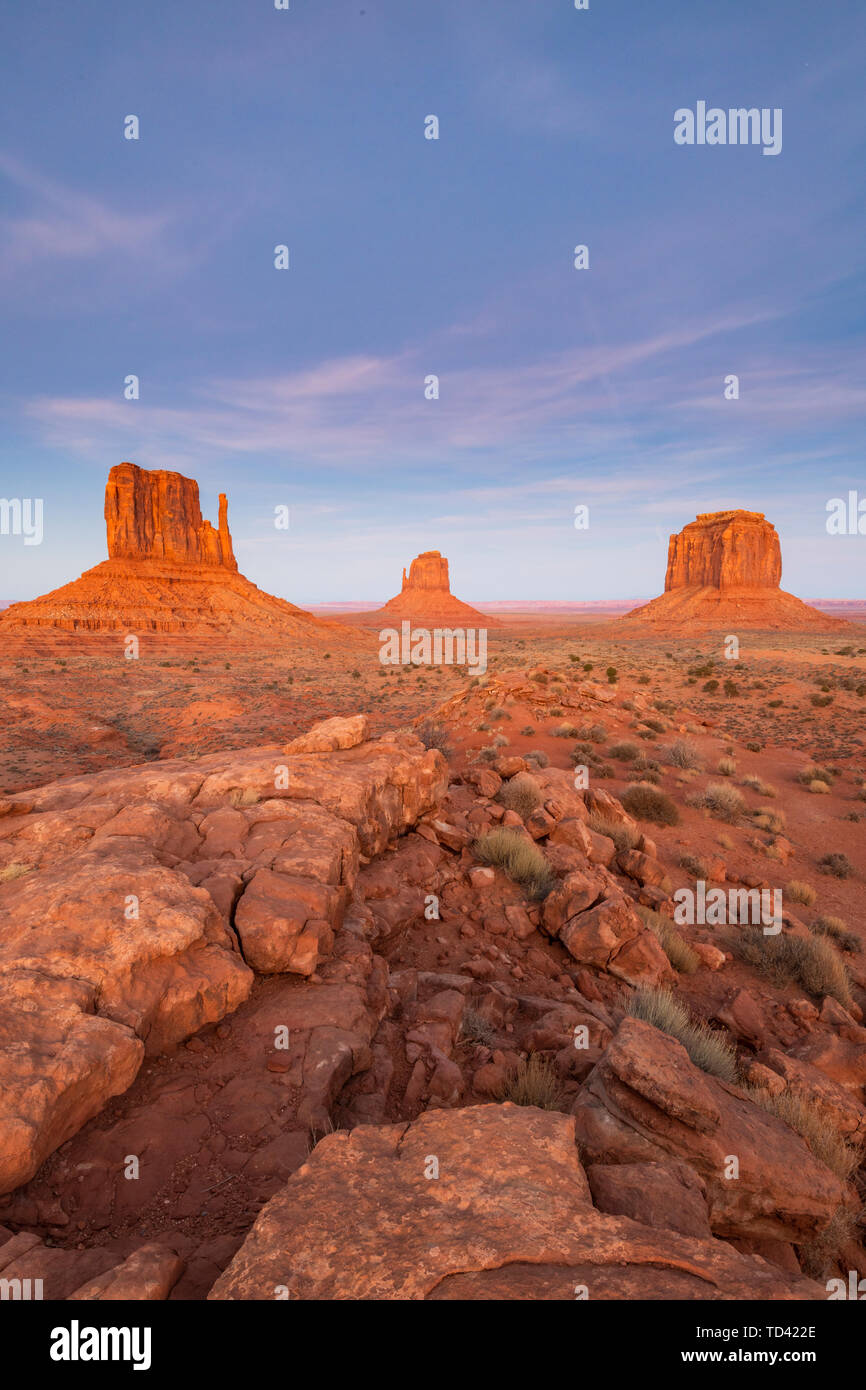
pixel 521 794
pixel 533 1081
pixel 800 892
pixel 722 800
pixel 837 931
pixel 518 857
pixel 434 735
pixel 813 773
pixel 836 864
pixel 698 868
pixel 475 1028
pixel 810 962
pixel 810 1123
pixel 676 948
pixel 706 1048
pixel 12 871
pixel 646 802
pixel 726 767
pixel 768 818
pixel 623 836
pixel 757 784
pixel 682 753
pixel 624 752
pixel 537 757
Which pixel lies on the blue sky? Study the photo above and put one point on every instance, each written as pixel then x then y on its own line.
pixel 411 257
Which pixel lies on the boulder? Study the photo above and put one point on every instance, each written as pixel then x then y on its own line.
pixel 489 1202
pixel 646 1102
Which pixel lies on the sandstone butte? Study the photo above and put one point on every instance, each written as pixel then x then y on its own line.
pixel 724 570
pixel 167 571
pixel 426 599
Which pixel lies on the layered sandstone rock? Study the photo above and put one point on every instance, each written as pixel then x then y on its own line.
pixel 426 599
pixel 646 1102
pixel 724 570
pixel 36 1271
pixel 168 571
pixel 506 1214
pixel 136 905
pixel 155 515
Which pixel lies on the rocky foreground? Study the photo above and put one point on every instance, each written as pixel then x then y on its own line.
pixel 265 1015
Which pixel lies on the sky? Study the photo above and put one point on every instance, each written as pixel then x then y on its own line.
pixel 412 257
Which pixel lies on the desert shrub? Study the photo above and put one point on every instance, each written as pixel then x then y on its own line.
pixel 521 794
pixel 813 773
pixel 527 731
pixel 726 766
pixel 711 687
pixel 721 800
pixel 612 676
pixel 518 857
pixel 706 1048
pixel 243 796
pixel 839 865
pixel 808 1121
pixel 837 931
pixel 767 818
pixel 682 753
pixel 645 802
pixel 624 752
pixel 623 836
pixel 758 785
pixel 810 962
pixel 731 689
pixel 800 892
pixel 534 1081
pixel 822 788
pixel 434 735
pixel 821 701
pixel 676 948
pixel 658 726
pixel 500 740
pixel 592 733
pixel 537 757
pixel 474 1027
pixel 566 731
pixel 820 1255
pixel 698 868
pixel 11 871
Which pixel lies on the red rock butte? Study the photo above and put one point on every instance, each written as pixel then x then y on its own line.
pixel 425 598
pixel 168 571
pixel 724 570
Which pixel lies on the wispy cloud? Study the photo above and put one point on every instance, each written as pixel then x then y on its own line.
pixel 61 224
pixel 349 410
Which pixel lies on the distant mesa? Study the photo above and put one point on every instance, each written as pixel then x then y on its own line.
pixel 168 571
pixel 425 599
pixel 724 570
